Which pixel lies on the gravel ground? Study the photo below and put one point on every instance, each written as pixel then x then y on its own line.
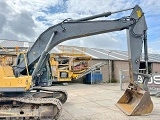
pixel 97 102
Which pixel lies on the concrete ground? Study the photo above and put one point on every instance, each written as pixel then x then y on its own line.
pixel 97 102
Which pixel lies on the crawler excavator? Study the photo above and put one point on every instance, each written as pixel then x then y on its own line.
pixel 21 93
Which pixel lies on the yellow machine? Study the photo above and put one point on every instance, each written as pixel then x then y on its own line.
pixel 67 66
pixel 7 57
pixel 26 99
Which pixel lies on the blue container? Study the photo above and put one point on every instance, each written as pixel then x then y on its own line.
pixel 93 78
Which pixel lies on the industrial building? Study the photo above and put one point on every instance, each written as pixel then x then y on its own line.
pixel 117 61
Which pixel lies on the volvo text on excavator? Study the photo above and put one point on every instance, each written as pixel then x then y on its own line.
pixel 21 94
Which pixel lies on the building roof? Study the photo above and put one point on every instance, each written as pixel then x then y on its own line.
pixel 95 53
pixel 15 43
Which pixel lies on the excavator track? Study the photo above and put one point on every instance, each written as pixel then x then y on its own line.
pixel 13 108
pixel 55 93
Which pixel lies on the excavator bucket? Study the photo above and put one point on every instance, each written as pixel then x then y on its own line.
pixel 135 102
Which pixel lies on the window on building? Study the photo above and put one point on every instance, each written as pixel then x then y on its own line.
pixel 142 68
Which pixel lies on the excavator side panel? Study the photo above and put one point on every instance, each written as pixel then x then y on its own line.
pixel 9 83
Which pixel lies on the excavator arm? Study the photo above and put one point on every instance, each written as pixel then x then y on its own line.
pixel 133 101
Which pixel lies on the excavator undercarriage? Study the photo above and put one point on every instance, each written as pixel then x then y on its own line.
pixel 39 103
pixel 28 107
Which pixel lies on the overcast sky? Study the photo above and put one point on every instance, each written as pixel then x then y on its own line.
pixel 27 19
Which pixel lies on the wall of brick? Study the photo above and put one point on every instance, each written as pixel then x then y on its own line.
pixel 117 66
pixel 124 66
pixel 112 71
pixel 155 67
pixel 104 69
